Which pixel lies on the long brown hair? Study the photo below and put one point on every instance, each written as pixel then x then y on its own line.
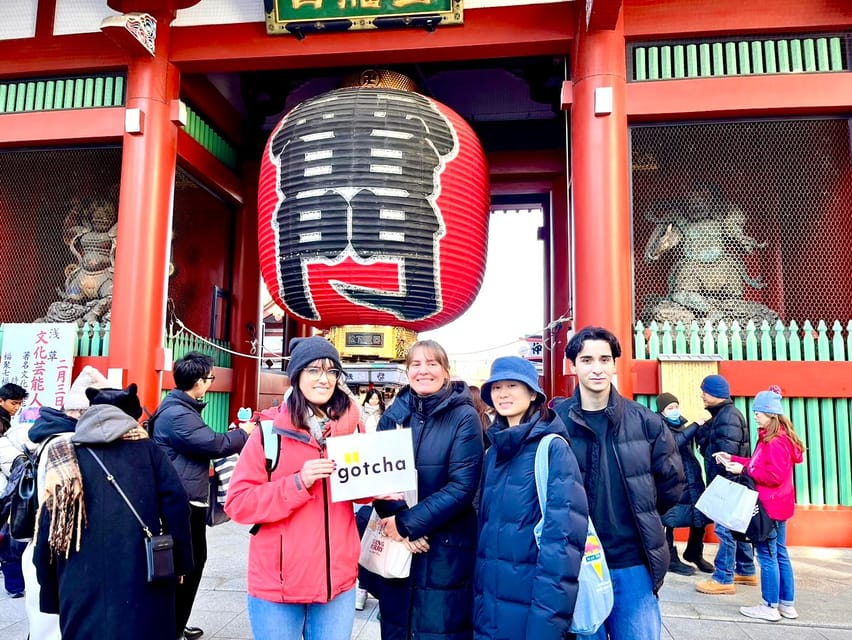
pixel 774 429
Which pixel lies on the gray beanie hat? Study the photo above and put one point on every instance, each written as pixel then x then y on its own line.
pixel 304 351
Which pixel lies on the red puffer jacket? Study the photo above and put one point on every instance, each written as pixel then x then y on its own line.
pixel 307 548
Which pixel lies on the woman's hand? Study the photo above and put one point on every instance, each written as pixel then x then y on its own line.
pixel 316 469
pixel 421 545
pixel 391 497
pixel 734 467
pixel 722 457
pixel 388 528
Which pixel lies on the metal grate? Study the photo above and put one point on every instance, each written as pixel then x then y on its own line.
pixel 742 221
pixel 738 56
pixel 47 198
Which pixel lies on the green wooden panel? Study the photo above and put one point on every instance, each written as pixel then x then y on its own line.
pixel 718 59
pixel 98 97
pixel 639 342
pixel 68 100
pixel 679 61
pixel 4 90
pixel 109 90
pixel 20 96
pixel 800 471
pixel 705 59
pixel 823 60
pixel 770 56
pixel 765 342
pixel 815 475
pixel 843 444
pixel 783 56
pixel 666 62
pixel 731 62
pixel 692 61
pixel 89 92
pixel 29 102
pixel 809 54
pixel 743 57
pixel 797 63
pixel 49 93
pixel 78 93
pixel 118 95
pixel 757 56
pixel 829 452
pixel 39 96
pixel 215 414
pixel 58 94
pixel 835 48
pixel 639 62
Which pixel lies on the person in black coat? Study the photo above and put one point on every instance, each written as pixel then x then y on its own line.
pixel 632 473
pixel 436 601
pixel 725 432
pixel 684 513
pixel 524 590
pixel 89 553
pixel 190 445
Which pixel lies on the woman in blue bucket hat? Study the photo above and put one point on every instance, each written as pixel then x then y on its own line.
pixel 522 590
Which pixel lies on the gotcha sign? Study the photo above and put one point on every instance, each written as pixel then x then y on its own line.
pixel 371 464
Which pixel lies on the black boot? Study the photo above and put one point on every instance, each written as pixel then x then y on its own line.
pixel 678 567
pixel 694 552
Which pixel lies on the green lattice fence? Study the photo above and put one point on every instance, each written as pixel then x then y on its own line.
pixel 825 477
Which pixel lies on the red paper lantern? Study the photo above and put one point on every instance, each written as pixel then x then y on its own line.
pixel 373 208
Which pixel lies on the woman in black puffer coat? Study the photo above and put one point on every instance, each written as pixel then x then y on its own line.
pixel 436 601
pixel 684 513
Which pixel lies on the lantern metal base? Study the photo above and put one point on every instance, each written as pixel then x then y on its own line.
pixel 372 341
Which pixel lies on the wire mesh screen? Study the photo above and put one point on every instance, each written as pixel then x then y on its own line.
pixel 58 215
pixel 742 221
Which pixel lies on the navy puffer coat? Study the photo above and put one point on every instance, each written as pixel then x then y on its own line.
pixel 684 513
pixel 649 463
pixel 436 601
pixel 726 431
pixel 521 592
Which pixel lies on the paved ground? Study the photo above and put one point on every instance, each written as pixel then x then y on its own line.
pixel 823 598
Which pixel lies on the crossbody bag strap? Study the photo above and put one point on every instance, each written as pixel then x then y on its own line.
pixel 111 479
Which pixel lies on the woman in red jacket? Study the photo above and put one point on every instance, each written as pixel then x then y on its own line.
pixel 771 467
pixel 303 560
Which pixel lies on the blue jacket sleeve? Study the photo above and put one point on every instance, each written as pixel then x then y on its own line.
pixel 563 542
pixel 192 438
pixel 465 467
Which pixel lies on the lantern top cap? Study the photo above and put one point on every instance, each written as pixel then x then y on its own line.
pixel 379 79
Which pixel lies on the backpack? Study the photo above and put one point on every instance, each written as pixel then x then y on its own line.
pixel 761 526
pixel 19 501
pixel 594 596
pixel 271 448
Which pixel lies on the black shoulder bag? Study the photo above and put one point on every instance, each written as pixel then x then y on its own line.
pixel 158 549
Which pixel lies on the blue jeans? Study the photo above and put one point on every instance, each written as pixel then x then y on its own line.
pixel 332 620
pixel 10 559
pixel 732 555
pixel 635 610
pixel 776 572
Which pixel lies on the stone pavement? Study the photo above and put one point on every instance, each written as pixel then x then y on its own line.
pixel 823 599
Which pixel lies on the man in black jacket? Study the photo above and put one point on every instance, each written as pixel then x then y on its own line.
pixel 725 431
pixel 632 473
pixel 190 444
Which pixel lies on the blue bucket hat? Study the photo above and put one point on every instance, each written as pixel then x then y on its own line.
pixel 512 368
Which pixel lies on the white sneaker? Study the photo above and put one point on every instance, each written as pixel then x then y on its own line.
pixel 761 612
pixel 788 611
pixel 360 599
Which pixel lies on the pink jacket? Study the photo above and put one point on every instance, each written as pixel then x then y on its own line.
pixel 307 547
pixel 771 467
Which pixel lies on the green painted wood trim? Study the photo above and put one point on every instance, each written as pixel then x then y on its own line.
pixel 200 131
pixel 731 57
pixel 83 92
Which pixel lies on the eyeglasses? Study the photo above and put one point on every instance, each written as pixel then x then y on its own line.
pixel 315 373
pixel 210 378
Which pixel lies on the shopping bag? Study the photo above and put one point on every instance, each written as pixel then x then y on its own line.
pixel 728 503
pixel 382 555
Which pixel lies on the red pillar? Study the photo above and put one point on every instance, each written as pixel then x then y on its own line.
pixel 600 165
pixel 245 297
pixel 145 221
pixel 560 288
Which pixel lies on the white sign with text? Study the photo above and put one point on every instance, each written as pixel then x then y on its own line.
pixel 372 464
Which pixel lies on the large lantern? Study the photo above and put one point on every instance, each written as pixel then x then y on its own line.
pixel 373 210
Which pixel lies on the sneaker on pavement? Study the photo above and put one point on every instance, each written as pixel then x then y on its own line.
pixel 750 581
pixel 15 594
pixel 360 599
pixel 761 612
pixel 192 633
pixel 713 588
pixel 788 611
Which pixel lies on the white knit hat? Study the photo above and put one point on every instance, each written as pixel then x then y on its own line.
pixel 76 398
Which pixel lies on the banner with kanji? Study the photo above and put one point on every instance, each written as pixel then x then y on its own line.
pixel 40 358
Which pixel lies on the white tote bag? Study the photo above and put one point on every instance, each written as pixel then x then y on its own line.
pixel 382 555
pixel 728 503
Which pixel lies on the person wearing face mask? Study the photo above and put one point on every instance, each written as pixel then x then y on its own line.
pixel 684 513
pixel 436 600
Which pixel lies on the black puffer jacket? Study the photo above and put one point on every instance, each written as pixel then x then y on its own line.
pixel 726 431
pixel 684 513
pixel 190 444
pixel 436 601
pixel 649 463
